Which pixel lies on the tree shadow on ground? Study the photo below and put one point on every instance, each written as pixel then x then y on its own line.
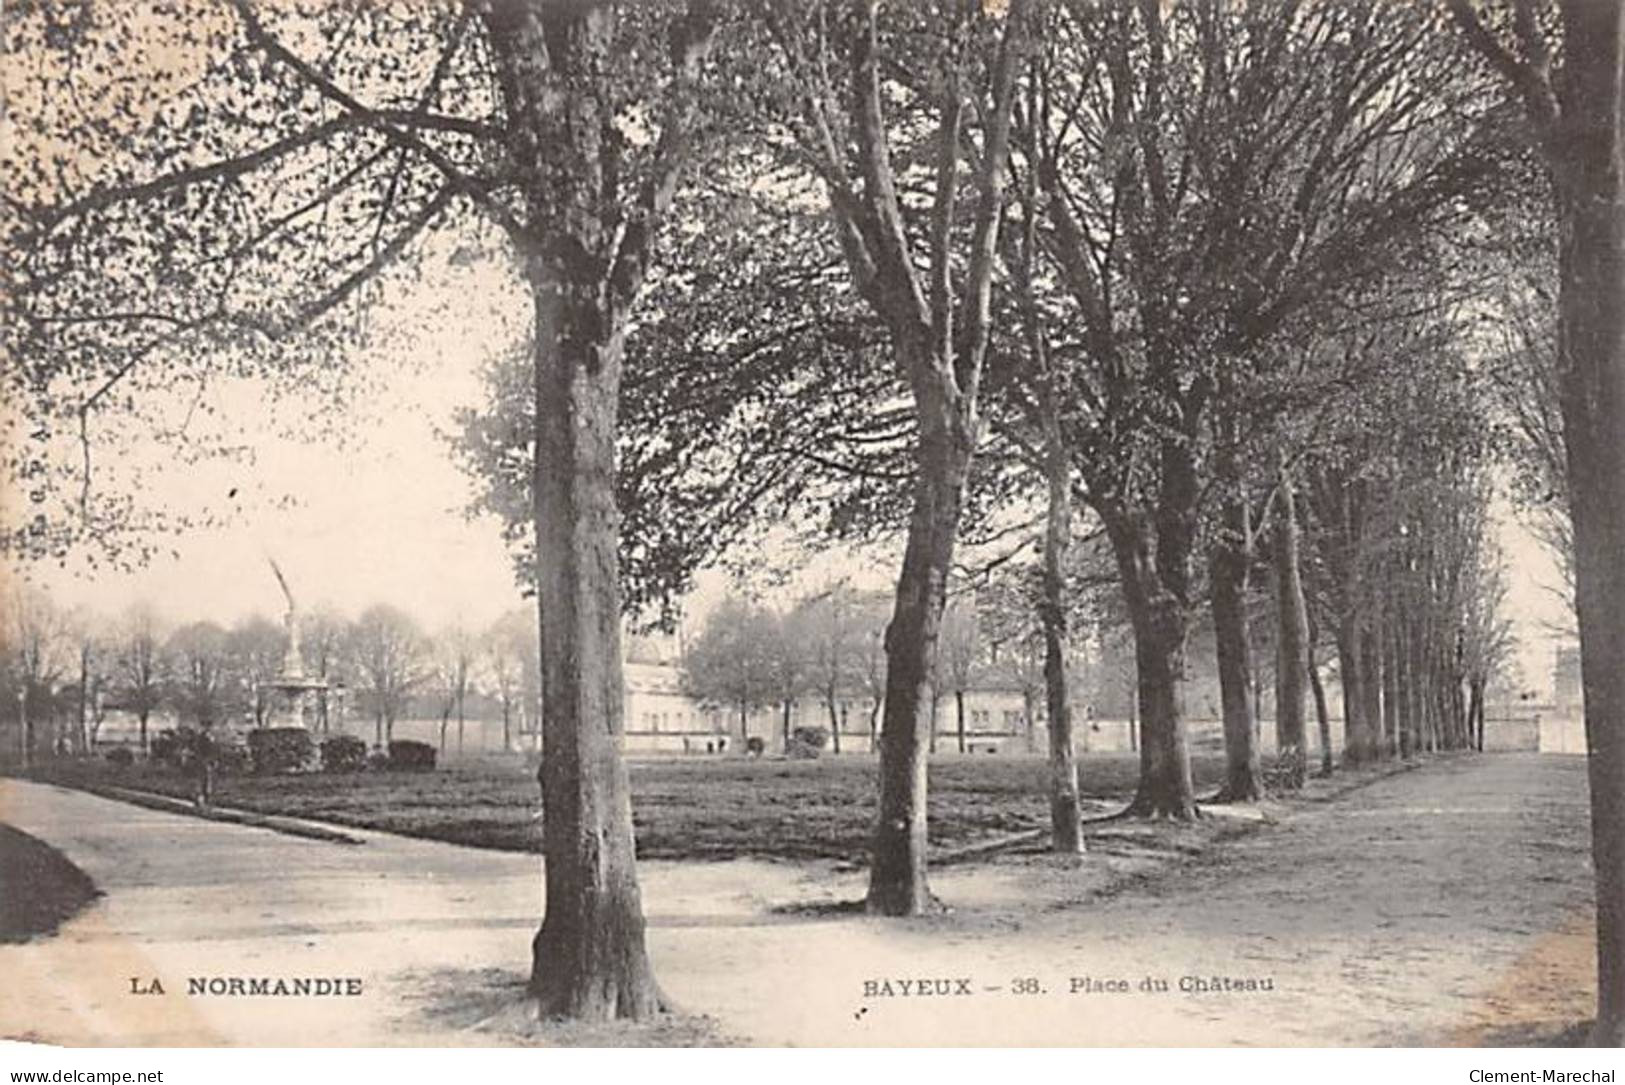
pixel 820 909
pixel 1538 1034
pixel 490 1006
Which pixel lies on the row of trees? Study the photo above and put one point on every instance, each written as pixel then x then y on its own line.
pixel 1181 334
pixel 828 648
pixel 1177 265
pixel 66 671
pixel 1247 324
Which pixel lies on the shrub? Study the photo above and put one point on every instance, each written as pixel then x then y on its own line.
pixel 377 761
pixel 231 755
pixel 344 753
pixel 280 749
pixel 169 747
pixel 121 756
pixel 180 749
pixel 755 745
pixel 806 743
pixel 408 756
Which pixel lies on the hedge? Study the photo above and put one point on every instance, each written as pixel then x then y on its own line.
pixel 408 756
pixel 344 753
pixel 281 749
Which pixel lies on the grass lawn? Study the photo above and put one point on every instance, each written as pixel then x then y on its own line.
pixel 42 889
pixel 691 808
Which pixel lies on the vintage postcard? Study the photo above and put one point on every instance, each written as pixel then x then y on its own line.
pixel 741 523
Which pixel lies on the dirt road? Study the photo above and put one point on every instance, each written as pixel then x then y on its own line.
pixel 1449 904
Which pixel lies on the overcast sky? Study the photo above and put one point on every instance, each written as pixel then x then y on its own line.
pixel 378 519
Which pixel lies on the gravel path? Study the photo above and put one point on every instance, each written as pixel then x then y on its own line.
pixel 1449 904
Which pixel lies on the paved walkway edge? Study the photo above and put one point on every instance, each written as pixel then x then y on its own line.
pixel 274 822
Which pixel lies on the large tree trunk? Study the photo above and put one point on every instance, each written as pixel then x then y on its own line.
pixel 1403 701
pixel 1454 707
pixel 1427 685
pixel 931 743
pixel 1160 628
pixel 1066 830
pixel 1393 688
pixel 585 247
pixel 834 725
pixel 940 352
pixel 1166 788
pixel 1589 170
pixel 1479 695
pixel 1416 686
pixel 1359 736
pixel 1372 670
pixel 1292 659
pixel 959 717
pixel 589 958
pixel 1322 715
pixel 897 883
pixel 1464 710
pixel 1228 561
pixel 81 739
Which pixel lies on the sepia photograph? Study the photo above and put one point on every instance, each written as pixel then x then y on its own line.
pixel 813 524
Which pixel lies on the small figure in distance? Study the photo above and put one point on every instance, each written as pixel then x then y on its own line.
pixel 203 768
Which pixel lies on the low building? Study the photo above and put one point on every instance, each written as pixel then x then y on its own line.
pixel 662 718
pixel 998 719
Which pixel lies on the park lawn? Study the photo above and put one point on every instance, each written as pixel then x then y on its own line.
pixel 43 889
pixel 684 809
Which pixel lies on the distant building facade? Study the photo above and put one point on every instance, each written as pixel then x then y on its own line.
pixel 1567 695
pixel 661 718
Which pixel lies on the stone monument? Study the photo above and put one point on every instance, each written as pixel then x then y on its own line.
pixel 291 690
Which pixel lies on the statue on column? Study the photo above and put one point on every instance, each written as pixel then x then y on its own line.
pixel 293 665
pixel 292 689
